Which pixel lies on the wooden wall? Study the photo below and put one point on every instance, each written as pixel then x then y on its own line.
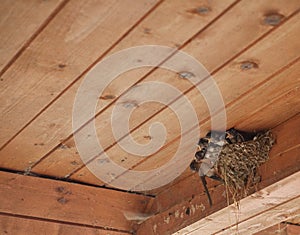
pixel 251 48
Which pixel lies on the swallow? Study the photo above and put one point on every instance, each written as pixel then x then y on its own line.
pixel 209 149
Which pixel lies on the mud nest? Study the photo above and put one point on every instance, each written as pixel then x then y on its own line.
pixel 238 163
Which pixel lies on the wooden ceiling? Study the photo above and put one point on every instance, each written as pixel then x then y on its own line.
pixel 251 48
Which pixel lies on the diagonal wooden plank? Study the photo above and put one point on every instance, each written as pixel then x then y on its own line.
pixel 62 52
pixel 19 23
pixel 68 202
pixel 280 229
pixel 58 116
pixel 284 106
pixel 254 214
pixel 252 29
pixel 269 62
pixel 20 226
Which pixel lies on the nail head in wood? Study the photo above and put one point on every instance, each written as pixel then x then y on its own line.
pixel 247 65
pixel 203 10
pixel 186 75
pixel 273 19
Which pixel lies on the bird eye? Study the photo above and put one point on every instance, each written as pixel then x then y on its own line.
pixel 193 166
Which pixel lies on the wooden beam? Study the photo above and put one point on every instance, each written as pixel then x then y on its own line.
pixel 267 207
pixel 257 223
pixel 66 202
pixel 284 228
pixel 20 226
pixel 185 202
pixel 278 229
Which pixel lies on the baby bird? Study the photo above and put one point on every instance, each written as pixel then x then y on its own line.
pixel 233 155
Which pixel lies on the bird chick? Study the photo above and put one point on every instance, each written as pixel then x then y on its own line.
pixel 217 153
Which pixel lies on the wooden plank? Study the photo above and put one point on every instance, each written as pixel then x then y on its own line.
pixel 68 202
pixel 165 118
pixel 279 229
pixel 189 193
pixel 261 52
pixel 282 196
pixel 20 226
pixel 79 34
pixel 60 120
pixel 186 22
pixel 28 18
pixel 284 106
pixel 267 218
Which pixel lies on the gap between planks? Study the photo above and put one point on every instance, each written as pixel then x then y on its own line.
pixel 115 100
pixel 73 182
pixel 27 43
pixel 80 75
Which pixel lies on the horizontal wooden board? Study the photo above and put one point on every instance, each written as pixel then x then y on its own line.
pixel 19 226
pixel 68 202
pixel 259 221
pixel 19 23
pixel 268 205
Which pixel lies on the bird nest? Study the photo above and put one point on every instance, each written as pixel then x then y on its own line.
pixel 233 158
pixel 238 167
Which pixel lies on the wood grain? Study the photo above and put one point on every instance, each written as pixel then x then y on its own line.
pixel 249 27
pixel 19 226
pixel 187 25
pixel 62 201
pixel 279 229
pixel 237 88
pixel 19 22
pixel 269 206
pixel 260 221
pixel 79 34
